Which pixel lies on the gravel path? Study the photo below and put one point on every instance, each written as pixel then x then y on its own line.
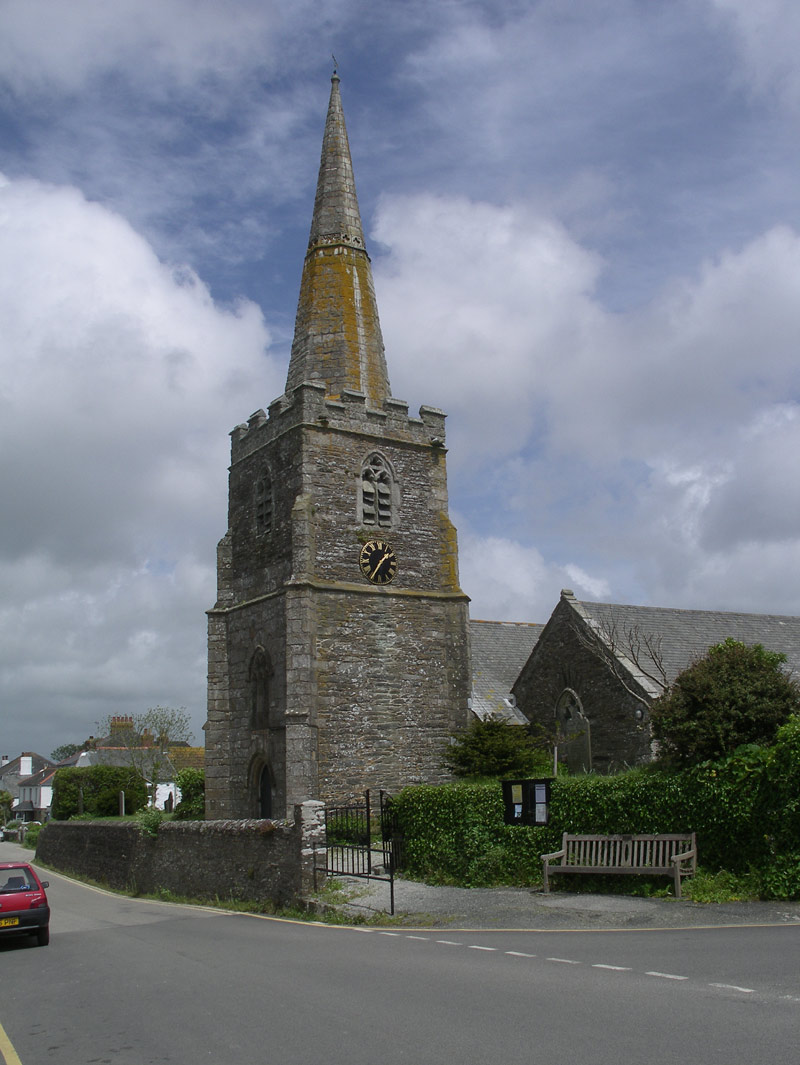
pixel 422 905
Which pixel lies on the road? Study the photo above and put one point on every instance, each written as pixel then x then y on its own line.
pixel 132 982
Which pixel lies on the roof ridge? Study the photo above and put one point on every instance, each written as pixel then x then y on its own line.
pixel 688 610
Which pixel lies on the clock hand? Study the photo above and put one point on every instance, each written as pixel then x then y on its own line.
pixel 381 561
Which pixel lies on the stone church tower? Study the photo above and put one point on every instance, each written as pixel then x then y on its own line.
pixel 338 649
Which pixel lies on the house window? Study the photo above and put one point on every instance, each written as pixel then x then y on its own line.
pixel 264 504
pixel 376 492
pixel 260 681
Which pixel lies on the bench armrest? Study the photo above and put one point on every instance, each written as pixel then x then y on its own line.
pixel 677 859
pixel 556 854
pixel 546 859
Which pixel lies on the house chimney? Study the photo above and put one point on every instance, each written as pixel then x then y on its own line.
pixel 4 760
pixel 121 724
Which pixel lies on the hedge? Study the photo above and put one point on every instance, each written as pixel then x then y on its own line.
pixel 745 810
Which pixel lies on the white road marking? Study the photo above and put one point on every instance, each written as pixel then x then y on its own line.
pixel 573 961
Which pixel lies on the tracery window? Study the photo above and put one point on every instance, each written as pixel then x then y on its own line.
pixel 264 504
pixel 376 492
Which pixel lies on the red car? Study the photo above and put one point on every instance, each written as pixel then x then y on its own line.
pixel 23 902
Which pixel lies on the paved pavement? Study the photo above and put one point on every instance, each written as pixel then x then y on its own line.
pixel 423 905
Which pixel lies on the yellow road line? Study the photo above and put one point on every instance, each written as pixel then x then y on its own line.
pixel 10 1056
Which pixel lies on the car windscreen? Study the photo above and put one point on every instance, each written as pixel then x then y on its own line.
pixel 15 880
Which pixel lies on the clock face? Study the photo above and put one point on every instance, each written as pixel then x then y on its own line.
pixel 378 562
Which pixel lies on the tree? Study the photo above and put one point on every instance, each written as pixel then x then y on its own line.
pixel 146 739
pixel 66 750
pixel 733 695
pixel 95 791
pixel 494 748
pixel 6 802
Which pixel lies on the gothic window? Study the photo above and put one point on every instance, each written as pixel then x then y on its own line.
pixel 574 730
pixel 260 678
pixel 376 492
pixel 264 504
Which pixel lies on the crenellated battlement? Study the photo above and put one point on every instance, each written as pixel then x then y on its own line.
pixel 308 406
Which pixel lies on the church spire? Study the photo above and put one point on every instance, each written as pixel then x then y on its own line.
pixel 337 337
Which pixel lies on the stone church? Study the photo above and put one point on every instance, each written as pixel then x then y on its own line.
pixel 338 648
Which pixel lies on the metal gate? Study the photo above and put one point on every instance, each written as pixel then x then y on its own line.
pixel 361 840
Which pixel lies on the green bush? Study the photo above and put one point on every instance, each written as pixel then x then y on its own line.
pixel 101 785
pixel 149 819
pixel 495 748
pixel 732 696
pixel 192 806
pixel 32 836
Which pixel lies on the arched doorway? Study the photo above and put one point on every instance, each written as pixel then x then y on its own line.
pixel 265 792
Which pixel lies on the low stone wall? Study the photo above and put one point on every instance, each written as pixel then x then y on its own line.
pixel 261 860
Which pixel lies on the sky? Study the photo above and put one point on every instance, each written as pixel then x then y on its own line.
pixel 584 225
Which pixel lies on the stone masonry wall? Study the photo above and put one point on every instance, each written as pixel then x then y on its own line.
pixel 563 660
pixel 260 860
pixel 392 687
pixel 369 682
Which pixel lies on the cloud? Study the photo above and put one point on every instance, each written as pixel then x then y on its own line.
pixel 511 581
pixel 768 36
pixel 496 292
pixel 120 380
pixel 665 435
pixel 52 44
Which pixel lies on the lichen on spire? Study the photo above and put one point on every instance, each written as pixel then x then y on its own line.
pixel 337 336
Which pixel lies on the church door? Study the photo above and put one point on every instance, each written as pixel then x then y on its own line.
pixel 265 793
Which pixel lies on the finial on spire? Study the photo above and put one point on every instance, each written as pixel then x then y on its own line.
pixel 335 67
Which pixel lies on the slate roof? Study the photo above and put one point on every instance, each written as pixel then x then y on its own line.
pixel 685 635
pixel 187 757
pixel 10 773
pixel 44 776
pixel 499 651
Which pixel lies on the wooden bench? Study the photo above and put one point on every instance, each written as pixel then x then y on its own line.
pixel 670 854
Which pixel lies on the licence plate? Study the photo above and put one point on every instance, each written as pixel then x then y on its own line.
pixel 8 922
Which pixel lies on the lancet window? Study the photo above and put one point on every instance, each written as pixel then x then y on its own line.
pixel 264 504
pixel 376 492
pixel 260 677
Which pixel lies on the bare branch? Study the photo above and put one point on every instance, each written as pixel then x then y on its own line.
pixel 146 739
pixel 611 642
